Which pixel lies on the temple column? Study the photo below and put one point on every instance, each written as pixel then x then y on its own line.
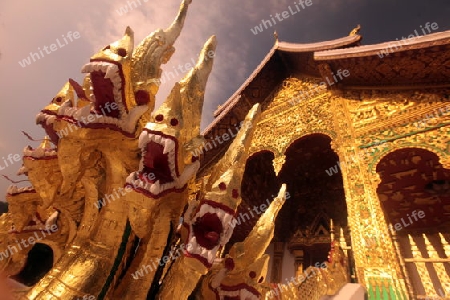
pixel 298 255
pixel 376 266
pixel 277 266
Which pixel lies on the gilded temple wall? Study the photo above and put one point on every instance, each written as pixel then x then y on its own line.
pixel 364 126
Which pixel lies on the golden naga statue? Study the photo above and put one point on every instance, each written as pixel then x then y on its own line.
pixel 111 188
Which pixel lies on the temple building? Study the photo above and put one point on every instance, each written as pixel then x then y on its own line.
pixel 360 135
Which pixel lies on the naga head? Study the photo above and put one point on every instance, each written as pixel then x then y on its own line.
pixel 30 207
pixel 209 222
pixel 120 83
pixel 108 98
pixel 167 162
pixel 241 273
pixel 47 116
pixel 110 75
pixel 40 165
pixel 166 142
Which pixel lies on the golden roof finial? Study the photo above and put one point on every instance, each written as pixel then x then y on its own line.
pixel 355 30
pixel 275 35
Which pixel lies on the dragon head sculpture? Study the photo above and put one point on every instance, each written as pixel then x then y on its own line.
pixel 240 274
pixel 208 221
pixel 167 163
pixel 47 116
pixel 119 87
pixel 40 165
pixel 207 225
pixel 110 101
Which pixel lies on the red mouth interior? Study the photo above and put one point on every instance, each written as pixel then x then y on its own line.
pixel 207 230
pixel 156 164
pixel 103 92
pixel 50 132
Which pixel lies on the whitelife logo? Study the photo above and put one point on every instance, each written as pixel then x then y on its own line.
pixel 129 7
pixel 406 41
pixel 53 47
pixel 317 88
pixel 11 158
pixel 281 17
pixel 31 241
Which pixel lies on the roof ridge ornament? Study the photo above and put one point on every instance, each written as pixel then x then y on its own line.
pixel 355 30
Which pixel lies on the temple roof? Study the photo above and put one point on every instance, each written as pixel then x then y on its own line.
pixel 319 46
pixel 236 96
pixel 288 48
pixel 418 42
pixel 420 62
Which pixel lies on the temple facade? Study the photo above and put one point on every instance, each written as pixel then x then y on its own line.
pixel 360 136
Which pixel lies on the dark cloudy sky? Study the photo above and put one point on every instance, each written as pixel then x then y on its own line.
pixel 28 24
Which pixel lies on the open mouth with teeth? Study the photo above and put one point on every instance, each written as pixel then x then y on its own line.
pixel 13 190
pixel 46 118
pixel 108 109
pixel 107 88
pixel 210 228
pixel 238 292
pixel 159 172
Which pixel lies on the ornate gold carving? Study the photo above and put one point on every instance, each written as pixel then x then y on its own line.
pixel 278 163
pixel 298 107
pixel 370 239
pixel 315 282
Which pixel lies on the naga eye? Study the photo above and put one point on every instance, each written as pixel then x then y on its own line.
pixel 58 100
pixel 174 122
pixel 159 118
pixel 122 52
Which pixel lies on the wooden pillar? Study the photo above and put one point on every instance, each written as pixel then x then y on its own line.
pixel 299 255
pixel 277 267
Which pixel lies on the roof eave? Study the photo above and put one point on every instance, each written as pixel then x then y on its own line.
pixel 417 42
